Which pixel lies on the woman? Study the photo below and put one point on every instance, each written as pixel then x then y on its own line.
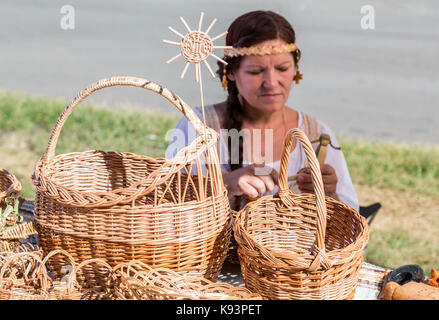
pixel 261 69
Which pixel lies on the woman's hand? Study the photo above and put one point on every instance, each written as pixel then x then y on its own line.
pixel 329 177
pixel 253 180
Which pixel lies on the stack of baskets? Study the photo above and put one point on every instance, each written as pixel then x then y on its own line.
pixel 119 206
pixel 300 246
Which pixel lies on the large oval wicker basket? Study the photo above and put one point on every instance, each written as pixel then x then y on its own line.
pixel 300 246
pixel 120 206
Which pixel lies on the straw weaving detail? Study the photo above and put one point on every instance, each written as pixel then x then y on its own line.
pixel 24 276
pixel 196 46
pixel 9 185
pixel 262 50
pixel 120 206
pixel 148 283
pixel 11 227
pixel 301 246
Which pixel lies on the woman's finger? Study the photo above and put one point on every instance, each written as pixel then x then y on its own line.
pixel 275 176
pixel 268 181
pixel 252 186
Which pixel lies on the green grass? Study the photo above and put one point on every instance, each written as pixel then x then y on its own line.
pixel 401 166
pixel 88 127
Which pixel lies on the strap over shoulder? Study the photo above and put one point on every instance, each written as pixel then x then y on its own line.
pixel 311 130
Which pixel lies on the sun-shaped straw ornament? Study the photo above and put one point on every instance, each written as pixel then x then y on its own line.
pixel 196 46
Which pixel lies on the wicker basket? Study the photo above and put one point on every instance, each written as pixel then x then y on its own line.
pixel 23 277
pixel 300 246
pixel 9 185
pixel 232 254
pixel 121 206
pixel 58 288
pixel 146 283
pixel 108 287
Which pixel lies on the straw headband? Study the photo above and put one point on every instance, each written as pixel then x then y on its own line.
pixel 260 50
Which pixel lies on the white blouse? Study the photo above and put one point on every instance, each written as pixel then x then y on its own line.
pixel 184 133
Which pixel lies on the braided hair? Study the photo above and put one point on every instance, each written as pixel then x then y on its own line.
pixel 247 30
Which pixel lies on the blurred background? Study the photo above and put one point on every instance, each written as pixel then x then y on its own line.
pixel 378 83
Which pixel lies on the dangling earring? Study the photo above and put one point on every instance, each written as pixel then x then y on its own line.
pixel 224 81
pixel 298 76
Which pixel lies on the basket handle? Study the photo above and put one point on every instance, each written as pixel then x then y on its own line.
pixel 72 277
pixel 120 81
pixel 35 269
pixel 286 194
pixel 60 252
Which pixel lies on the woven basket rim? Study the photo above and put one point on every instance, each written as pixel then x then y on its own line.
pixel 41 166
pixel 118 190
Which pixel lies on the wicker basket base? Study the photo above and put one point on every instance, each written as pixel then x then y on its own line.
pixel 268 282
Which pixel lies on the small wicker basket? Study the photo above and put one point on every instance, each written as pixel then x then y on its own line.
pixel 108 287
pixel 146 283
pixel 300 246
pixel 119 206
pixel 23 277
pixel 9 185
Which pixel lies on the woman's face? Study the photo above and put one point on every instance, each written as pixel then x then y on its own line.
pixel 265 81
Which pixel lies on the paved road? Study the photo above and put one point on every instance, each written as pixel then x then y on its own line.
pixel 380 83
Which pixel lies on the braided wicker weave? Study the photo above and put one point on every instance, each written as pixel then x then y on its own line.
pixel 146 283
pixel 121 206
pixel 300 246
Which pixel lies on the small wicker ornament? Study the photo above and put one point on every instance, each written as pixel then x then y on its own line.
pixel 119 206
pixel 146 283
pixel 9 185
pixel 107 288
pixel 23 277
pixel 300 246
pixel 196 46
